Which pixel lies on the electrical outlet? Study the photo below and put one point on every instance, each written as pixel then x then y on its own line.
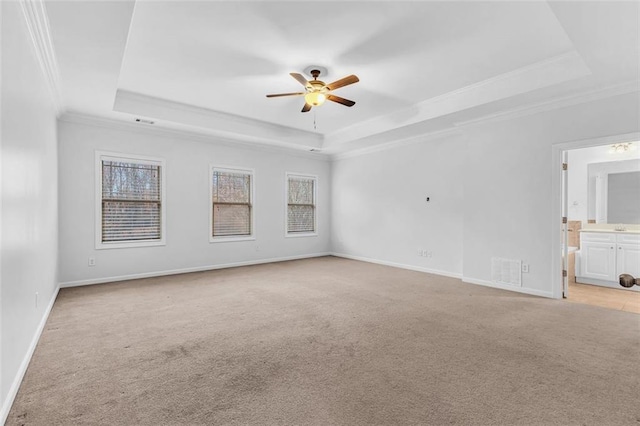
pixel 92 261
pixel 257 247
pixel 428 253
pixel 419 252
pixel 525 267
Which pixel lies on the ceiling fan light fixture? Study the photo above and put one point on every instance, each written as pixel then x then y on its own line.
pixel 315 98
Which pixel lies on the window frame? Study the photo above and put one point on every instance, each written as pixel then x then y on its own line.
pixel 136 159
pixel 314 233
pixel 252 204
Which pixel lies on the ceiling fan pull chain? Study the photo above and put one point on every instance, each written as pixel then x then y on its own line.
pixel 314 120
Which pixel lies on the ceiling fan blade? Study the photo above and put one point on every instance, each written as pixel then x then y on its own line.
pixel 350 79
pixel 285 94
pixel 306 108
pixel 300 79
pixel 343 101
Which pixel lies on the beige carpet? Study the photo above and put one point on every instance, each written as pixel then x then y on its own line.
pixel 327 341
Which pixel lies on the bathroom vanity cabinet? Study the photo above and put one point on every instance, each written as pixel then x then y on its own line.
pixel 606 255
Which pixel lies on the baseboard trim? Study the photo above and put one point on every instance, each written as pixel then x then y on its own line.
pixel 469 280
pixel 17 381
pixel 188 270
pixel 529 291
pixel 399 265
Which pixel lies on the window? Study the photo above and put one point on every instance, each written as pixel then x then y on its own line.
pixel 231 204
pixel 131 210
pixel 301 205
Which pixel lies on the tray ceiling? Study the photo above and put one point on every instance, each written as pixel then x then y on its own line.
pixel 207 66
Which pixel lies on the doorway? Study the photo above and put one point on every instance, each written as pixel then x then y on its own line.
pixel 599 221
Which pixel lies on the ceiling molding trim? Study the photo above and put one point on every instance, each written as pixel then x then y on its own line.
pixel 555 103
pixel 554 70
pixel 522 111
pixel 424 137
pixel 113 124
pixel 227 125
pixel 563 59
pixel 37 21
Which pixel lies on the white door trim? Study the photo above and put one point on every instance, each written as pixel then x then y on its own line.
pixel 556 193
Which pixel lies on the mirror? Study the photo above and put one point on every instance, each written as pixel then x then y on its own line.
pixel 623 198
pixel 614 192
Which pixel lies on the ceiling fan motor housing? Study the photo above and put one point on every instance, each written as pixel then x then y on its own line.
pixel 316 85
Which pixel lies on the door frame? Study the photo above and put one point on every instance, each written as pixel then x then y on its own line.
pixel 565 224
pixel 557 151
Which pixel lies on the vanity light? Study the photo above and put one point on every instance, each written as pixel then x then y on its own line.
pixel 622 147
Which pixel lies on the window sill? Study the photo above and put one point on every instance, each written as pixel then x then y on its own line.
pixel 301 234
pixel 230 239
pixel 129 244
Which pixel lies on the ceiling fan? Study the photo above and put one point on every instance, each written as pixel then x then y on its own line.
pixel 317 91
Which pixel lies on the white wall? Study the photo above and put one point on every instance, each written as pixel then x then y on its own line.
pixel 187 211
pixel 491 190
pixel 29 200
pixel 578 178
pixel 510 188
pixel 380 211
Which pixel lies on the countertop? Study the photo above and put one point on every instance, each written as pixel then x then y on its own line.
pixel 612 231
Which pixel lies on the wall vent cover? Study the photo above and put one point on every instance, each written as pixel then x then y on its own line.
pixel 506 271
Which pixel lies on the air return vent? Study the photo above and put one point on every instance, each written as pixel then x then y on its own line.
pixel 506 271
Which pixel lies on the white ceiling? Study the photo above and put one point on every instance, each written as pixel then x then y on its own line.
pixel 423 66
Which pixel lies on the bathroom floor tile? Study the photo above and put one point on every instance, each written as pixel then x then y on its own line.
pixel 619 299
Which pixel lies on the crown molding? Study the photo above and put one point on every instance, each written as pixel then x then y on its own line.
pixel 522 111
pixel 457 129
pixel 221 123
pixel 548 72
pixel 423 137
pixel 565 59
pixel 37 21
pixel 555 103
pixel 119 125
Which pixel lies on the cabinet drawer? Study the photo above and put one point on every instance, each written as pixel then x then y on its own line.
pixel 603 237
pixel 628 238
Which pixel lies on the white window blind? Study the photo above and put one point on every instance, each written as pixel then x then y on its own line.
pixel 231 198
pixel 301 204
pixel 131 201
